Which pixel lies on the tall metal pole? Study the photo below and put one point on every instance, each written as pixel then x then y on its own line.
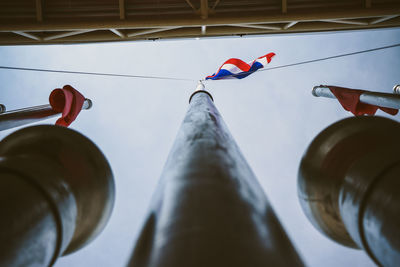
pixel 349 187
pixel 209 209
pixel 56 194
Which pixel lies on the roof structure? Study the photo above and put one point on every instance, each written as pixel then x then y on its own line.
pixel 80 21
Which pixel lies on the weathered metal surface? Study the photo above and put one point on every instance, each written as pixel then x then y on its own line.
pixel 349 188
pixel 15 118
pixel 57 193
pixel 209 209
pixel 372 98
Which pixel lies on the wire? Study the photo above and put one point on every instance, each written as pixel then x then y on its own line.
pixel 319 59
pixel 96 73
pixel 331 57
pixel 191 80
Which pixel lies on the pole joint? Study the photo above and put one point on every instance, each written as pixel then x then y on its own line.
pixel 200 89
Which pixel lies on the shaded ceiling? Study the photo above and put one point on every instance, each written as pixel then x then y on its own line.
pixel 76 21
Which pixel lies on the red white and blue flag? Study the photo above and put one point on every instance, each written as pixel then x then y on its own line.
pixel 235 68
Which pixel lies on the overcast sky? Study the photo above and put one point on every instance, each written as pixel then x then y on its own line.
pixel 271 114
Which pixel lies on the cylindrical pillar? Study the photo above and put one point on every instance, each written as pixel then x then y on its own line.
pixel 56 194
pixel 209 209
pixel 349 185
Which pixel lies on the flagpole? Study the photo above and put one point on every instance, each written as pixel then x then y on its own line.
pixel 373 98
pixel 348 185
pixel 57 194
pixel 200 86
pixel 396 89
pixel 209 209
pixel 18 117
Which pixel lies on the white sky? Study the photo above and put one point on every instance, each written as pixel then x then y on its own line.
pixel 271 114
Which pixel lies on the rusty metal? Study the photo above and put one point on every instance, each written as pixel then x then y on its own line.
pixel 349 189
pixel 57 193
pixel 209 209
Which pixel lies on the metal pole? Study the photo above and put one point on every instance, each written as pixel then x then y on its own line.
pixel 373 98
pixel 349 189
pixel 56 194
pixel 209 209
pixel 396 89
pixel 200 86
pixel 24 116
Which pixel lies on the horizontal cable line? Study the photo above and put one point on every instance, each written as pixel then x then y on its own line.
pixel 96 73
pixel 320 59
pixel 191 80
pixel 331 57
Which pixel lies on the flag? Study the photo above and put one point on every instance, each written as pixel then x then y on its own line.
pixel 350 101
pixel 68 101
pixel 236 68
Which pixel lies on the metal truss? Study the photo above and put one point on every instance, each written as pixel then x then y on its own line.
pixel 74 21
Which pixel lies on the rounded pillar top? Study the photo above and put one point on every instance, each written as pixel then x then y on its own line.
pixel 324 166
pixel 201 91
pixel 86 171
pixel 396 89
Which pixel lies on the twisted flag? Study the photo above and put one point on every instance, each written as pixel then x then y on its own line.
pixel 236 68
pixel 350 101
pixel 68 101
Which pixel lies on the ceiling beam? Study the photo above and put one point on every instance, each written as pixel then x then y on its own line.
pixel 204 9
pixel 149 31
pixel 64 34
pixel 193 32
pixel 203 30
pixel 342 21
pixel 229 31
pixel 290 24
pixel 379 20
pixel 28 35
pixel 215 4
pixel 191 5
pixel 196 22
pixel 122 9
pixel 284 6
pixel 263 27
pixel 39 11
pixel 118 32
